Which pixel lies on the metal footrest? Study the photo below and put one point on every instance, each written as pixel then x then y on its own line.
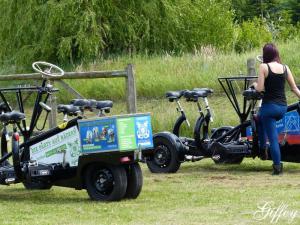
pixel 230 148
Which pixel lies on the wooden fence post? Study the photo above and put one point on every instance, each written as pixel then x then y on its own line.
pixel 251 71
pixel 131 90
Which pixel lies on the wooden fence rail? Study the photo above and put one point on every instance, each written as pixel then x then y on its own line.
pixel 128 74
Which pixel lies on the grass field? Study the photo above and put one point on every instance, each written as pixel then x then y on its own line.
pixel 199 193
pixel 157 74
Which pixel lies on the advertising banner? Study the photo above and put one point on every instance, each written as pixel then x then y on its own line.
pixel 63 147
pixel 288 128
pixel 119 133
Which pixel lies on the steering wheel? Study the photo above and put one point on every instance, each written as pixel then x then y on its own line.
pixel 259 58
pixel 47 69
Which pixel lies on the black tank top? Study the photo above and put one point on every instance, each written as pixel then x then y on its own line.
pixel 274 87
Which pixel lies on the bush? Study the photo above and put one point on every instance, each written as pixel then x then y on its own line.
pixel 81 31
pixel 251 34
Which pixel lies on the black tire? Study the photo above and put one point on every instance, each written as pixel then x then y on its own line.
pixel 105 183
pixel 37 185
pixel 220 131
pixel 16 158
pixel 165 157
pixel 134 181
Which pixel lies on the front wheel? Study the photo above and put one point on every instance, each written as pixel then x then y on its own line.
pixel 134 181
pixel 105 183
pixel 165 158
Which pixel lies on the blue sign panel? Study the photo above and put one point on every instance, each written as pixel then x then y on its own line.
pixel 143 131
pixel 98 135
pixel 289 124
pixel 119 133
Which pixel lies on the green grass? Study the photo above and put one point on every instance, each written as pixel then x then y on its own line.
pixel 199 193
pixel 157 74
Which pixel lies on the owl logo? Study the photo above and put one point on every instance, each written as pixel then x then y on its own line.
pixel 143 131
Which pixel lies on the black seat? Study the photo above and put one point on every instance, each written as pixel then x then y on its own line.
pixel 194 95
pixel 83 103
pixel 173 95
pixel 93 103
pixel 208 90
pixel 252 94
pixel 3 107
pixel 12 117
pixel 104 105
pixel 70 110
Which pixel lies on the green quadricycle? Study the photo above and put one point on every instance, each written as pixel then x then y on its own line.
pixel 99 154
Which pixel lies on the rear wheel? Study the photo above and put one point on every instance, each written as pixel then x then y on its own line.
pixel 134 181
pixel 16 156
pixel 165 158
pixel 4 147
pixel 105 183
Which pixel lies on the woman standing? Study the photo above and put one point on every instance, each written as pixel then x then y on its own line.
pixel 271 80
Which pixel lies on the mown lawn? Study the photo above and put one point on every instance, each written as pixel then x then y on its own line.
pixel 199 193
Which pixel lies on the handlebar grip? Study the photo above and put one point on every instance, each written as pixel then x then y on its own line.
pixel 45 106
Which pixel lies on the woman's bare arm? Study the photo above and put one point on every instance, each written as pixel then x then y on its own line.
pixel 260 85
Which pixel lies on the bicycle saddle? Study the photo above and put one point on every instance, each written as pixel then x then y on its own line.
pixel 3 107
pixel 104 105
pixel 252 94
pixel 173 95
pixel 12 117
pixel 208 90
pixel 83 103
pixel 70 110
pixel 194 95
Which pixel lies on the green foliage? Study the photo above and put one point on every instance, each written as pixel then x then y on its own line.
pixel 250 9
pixel 278 17
pixel 155 75
pixel 252 34
pixel 81 31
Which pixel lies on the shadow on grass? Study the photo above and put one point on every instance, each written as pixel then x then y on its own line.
pixel 21 195
pixel 245 167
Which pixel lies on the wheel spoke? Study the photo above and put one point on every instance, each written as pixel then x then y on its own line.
pixel 103 181
pixel 162 156
pixel 37 65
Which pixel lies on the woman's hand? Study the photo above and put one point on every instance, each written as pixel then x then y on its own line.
pixel 253 85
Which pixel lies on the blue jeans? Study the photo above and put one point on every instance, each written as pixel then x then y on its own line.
pixel 267 116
